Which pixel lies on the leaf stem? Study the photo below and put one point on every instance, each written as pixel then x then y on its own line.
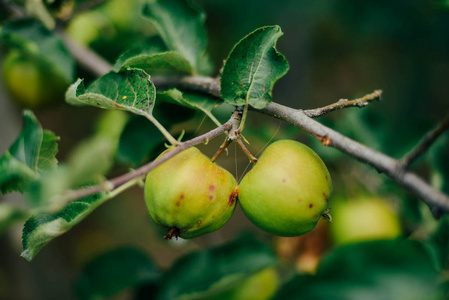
pixel 212 117
pixel 162 129
pixel 243 120
pixel 221 149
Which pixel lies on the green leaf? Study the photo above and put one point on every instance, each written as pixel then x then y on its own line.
pixel 153 55
pixel 206 273
pixel 252 68
pixel 181 26
pixel 89 161
pixel 130 90
pixel 195 101
pixel 14 175
pixel 373 270
pixel 44 227
pixel 33 151
pixel 33 39
pixel 49 149
pixel 142 59
pixel 115 271
pixel 26 147
pixel 40 192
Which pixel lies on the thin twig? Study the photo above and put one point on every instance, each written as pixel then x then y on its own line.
pixel 343 103
pixel 424 143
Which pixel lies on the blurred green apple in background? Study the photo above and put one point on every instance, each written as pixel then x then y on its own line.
pixel 260 286
pixel 31 82
pixel 363 219
pixel 87 27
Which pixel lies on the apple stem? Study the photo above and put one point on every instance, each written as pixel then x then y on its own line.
pixel 164 131
pixel 221 149
pixel 234 134
pixel 326 215
pixel 246 151
pixel 171 233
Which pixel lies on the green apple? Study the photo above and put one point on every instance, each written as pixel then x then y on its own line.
pixel 30 82
pixel 287 191
pixel 87 26
pixel 188 195
pixel 363 219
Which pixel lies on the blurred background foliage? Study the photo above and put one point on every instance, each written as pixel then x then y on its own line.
pixel 336 49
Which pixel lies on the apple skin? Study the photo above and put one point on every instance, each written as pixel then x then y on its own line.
pixel 363 219
pixel 287 191
pixel 188 195
pixel 30 82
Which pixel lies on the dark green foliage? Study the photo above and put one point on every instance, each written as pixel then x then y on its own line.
pixel 33 39
pixel 373 270
pixel 206 273
pixel 115 271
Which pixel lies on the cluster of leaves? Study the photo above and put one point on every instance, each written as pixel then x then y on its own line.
pixel 249 74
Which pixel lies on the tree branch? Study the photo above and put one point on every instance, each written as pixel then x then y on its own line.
pixel 302 119
pixel 12 8
pixel 328 137
pixel 112 184
pixel 424 143
pixel 86 58
pixel 343 103
pixel 381 162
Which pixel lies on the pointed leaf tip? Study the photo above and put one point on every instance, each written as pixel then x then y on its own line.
pixel 252 68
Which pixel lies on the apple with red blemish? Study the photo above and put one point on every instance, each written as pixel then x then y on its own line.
pixel 287 191
pixel 189 196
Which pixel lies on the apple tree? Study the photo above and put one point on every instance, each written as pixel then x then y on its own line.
pixel 171 150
